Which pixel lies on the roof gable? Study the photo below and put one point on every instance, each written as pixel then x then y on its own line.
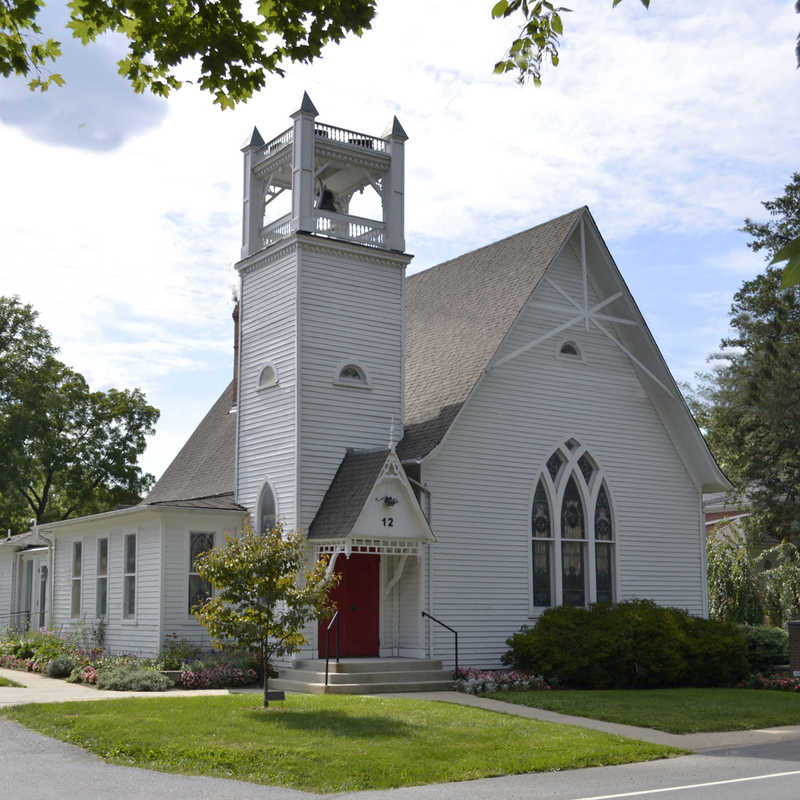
pixel 370 498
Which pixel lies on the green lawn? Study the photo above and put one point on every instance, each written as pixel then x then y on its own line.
pixel 325 743
pixel 8 682
pixel 672 710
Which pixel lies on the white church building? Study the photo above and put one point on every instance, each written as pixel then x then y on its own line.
pixel 480 441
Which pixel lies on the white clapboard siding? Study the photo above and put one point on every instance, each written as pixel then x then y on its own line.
pixel 178 527
pixel 351 312
pixel 483 477
pixel 6 574
pixel 266 448
pixel 139 635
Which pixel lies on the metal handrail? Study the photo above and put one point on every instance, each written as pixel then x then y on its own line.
pixel 334 619
pixel 452 630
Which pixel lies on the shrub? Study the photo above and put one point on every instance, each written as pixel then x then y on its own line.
pixel 177 652
pixel 60 667
pixel 766 647
pixel 133 678
pixel 636 644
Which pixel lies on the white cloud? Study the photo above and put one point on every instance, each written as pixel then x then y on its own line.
pixel 675 120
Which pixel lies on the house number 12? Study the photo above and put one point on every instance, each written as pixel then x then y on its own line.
pixel 388 522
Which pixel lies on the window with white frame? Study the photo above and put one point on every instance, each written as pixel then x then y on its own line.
pixel 268 377
pixel 77 575
pixel 101 595
pixel 129 577
pixel 199 588
pixel 572 532
pixel 352 375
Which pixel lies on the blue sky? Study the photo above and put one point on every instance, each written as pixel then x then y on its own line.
pixel 121 212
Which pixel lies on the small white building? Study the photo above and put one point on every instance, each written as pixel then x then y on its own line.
pixel 479 441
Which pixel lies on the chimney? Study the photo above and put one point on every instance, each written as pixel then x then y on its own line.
pixel 235 387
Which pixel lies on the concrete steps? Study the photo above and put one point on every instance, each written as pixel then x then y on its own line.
pixel 363 676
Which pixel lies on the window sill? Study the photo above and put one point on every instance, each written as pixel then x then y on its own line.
pixel 346 385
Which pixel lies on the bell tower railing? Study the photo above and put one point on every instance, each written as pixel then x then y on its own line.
pixel 321 166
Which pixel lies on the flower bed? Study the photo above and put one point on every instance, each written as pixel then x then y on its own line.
pixel 761 681
pixel 217 676
pixel 479 681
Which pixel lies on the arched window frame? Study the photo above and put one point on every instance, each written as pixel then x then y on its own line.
pixel 588 492
pixel 261 385
pixel 266 485
pixel 338 380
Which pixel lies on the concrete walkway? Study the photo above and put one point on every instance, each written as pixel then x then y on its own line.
pixel 40 689
pixel 695 742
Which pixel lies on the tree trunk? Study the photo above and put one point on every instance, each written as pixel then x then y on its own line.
pixel 265 670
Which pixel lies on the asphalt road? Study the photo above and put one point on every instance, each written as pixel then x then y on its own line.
pixel 34 767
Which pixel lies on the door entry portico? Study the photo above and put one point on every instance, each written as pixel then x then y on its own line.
pixel 357 599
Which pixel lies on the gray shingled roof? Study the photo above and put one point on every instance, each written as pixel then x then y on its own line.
pixel 456 317
pixel 347 494
pixel 204 466
pixel 25 540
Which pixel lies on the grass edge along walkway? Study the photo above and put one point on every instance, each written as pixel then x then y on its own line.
pixel 9 682
pixel 676 711
pixel 327 743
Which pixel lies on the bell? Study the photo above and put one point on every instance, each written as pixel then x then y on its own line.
pixel 326 201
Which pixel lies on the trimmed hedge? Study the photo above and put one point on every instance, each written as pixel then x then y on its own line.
pixel 636 644
pixel 766 647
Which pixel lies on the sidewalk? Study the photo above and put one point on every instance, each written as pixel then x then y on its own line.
pixel 40 689
pixel 695 742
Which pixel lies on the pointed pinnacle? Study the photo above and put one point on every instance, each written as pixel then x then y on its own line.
pixel 255 140
pixel 307 107
pixel 396 131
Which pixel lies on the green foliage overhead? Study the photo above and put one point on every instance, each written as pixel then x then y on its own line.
pixel 263 593
pixel 635 644
pixel 234 48
pixel 64 450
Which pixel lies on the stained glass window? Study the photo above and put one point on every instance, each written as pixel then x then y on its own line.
pixel 602 517
pixel 587 468
pixel 541 514
pixel 572 516
pixel 542 530
pixel 604 549
pixel 554 464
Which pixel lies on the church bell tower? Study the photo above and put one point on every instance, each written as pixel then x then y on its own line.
pixel 321 310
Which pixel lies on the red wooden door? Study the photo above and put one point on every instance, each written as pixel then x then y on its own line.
pixel 356 598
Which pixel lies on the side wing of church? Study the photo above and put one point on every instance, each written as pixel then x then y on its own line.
pixel 479 441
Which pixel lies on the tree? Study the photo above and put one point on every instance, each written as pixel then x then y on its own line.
pixel 734 593
pixel 258 598
pixel 780 236
pixel 64 450
pixel 748 404
pixel 780 582
pixel 235 49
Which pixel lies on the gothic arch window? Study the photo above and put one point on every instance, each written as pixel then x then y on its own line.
pixel 572 532
pixel 267 510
